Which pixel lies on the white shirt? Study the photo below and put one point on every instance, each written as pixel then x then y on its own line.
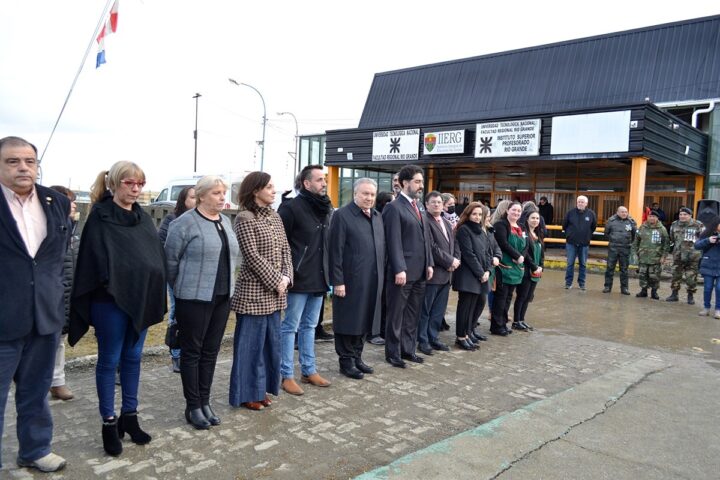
pixel 29 217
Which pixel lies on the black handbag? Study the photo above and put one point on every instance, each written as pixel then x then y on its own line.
pixel 172 336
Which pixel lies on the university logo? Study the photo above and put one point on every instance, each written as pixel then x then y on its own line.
pixel 430 141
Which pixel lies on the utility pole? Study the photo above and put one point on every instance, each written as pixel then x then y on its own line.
pixel 195 133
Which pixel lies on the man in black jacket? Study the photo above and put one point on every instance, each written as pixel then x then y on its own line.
pixel 305 218
pixel 579 225
pixel 34 229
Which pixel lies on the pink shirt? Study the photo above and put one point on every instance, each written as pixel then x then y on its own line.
pixel 29 217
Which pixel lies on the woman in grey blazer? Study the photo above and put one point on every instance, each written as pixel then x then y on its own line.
pixel 201 254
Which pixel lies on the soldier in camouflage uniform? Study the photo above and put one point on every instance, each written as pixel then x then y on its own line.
pixel 684 232
pixel 620 231
pixel 650 245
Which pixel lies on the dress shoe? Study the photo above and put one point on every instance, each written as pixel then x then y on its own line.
pixel 625 291
pixel 519 326
pixel 176 365
pixel 210 415
pixel 128 422
pixel 412 357
pixel 291 387
pixel 503 333
pixel 253 405
pixel 61 392
pixel 528 327
pixel 363 367
pixel 352 371
pixel 464 344
pixel 322 336
pixel 396 362
pixel 479 336
pixel 377 340
pixel 425 349
pixel 48 463
pixel 439 346
pixel 111 440
pixel 607 289
pixel 472 339
pixel 266 402
pixel 196 418
pixel 444 325
pixel 315 379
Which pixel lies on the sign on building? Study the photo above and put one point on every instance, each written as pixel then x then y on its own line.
pixel 591 133
pixel 396 144
pixel 516 138
pixel 438 143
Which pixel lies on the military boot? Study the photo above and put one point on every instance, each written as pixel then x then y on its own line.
pixel 642 294
pixel 654 295
pixel 673 297
pixel 691 300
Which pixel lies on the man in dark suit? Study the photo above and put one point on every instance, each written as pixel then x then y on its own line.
pixel 410 264
pixel 437 290
pixel 357 269
pixel 34 229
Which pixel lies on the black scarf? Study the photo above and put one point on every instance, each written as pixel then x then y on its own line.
pixel 476 228
pixel 319 203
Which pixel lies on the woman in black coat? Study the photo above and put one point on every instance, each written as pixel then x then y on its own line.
pixel 533 269
pixel 471 277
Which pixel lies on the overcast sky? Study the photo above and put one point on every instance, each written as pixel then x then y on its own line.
pixel 315 59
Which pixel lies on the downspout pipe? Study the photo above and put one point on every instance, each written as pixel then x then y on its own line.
pixel 696 113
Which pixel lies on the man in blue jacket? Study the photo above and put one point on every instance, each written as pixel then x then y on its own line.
pixel 579 225
pixel 34 230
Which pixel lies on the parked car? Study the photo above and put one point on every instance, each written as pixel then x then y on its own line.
pixel 169 193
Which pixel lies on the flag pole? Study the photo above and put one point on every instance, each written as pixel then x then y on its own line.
pixel 82 64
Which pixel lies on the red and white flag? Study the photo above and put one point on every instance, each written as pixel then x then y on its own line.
pixel 109 27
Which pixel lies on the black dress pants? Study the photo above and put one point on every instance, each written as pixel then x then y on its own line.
pixel 201 326
pixel 525 294
pixel 469 309
pixel 349 347
pixel 501 303
pixel 403 315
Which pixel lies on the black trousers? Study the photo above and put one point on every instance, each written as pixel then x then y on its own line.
pixel 501 303
pixel 525 294
pixel 349 348
pixel 403 314
pixel 615 256
pixel 201 326
pixel 469 309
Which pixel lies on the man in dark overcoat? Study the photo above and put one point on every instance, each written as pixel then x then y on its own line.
pixel 34 233
pixel 357 266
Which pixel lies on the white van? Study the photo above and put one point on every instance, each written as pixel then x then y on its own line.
pixel 169 194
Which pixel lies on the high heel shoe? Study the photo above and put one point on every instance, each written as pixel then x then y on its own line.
pixel 196 418
pixel 111 441
pixel 210 415
pixel 128 422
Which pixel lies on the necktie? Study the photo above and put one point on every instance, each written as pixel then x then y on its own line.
pixel 417 212
pixel 367 213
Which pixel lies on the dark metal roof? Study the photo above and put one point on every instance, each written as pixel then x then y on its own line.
pixel 670 62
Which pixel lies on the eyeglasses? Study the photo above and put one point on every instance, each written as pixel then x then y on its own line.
pixel 132 183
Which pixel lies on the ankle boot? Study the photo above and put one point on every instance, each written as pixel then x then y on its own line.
pixel 654 295
pixel 691 300
pixel 673 297
pixel 128 422
pixel 110 438
pixel 642 294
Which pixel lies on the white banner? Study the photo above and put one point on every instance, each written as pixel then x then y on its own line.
pixel 438 143
pixel 396 144
pixel 517 138
pixel 591 133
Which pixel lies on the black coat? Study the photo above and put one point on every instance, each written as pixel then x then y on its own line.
pixel 443 250
pixel 356 255
pixel 31 289
pixel 579 226
pixel 120 260
pixel 476 256
pixel 306 232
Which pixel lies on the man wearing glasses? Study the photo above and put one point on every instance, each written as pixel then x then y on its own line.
pixel 34 229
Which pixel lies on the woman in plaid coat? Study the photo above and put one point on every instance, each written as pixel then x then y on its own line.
pixel 260 294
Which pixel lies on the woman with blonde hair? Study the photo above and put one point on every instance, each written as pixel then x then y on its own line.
pixel 201 253
pixel 119 289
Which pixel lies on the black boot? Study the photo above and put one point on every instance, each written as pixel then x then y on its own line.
pixel 128 422
pixel 691 300
pixel 210 415
pixel 654 295
pixel 642 294
pixel 197 419
pixel 110 438
pixel 673 297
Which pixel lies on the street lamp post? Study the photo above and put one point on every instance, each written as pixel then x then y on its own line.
pixel 262 142
pixel 297 139
pixel 195 133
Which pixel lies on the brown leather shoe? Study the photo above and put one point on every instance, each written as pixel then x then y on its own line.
pixel 61 392
pixel 291 386
pixel 252 405
pixel 315 379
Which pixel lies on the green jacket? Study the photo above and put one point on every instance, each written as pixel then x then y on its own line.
pixel 683 236
pixel 651 243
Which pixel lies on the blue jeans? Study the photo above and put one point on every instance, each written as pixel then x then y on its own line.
pixel 581 253
pixel 117 344
pixel 433 311
pixel 710 284
pixel 301 317
pixel 174 352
